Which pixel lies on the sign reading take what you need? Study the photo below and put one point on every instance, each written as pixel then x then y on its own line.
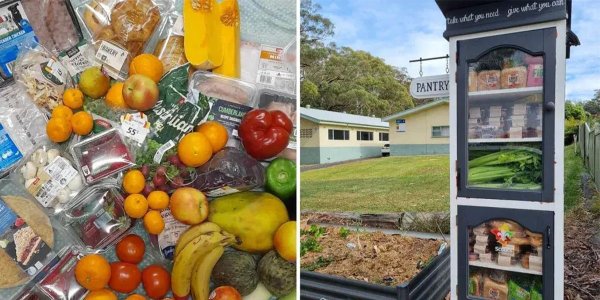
pixel 430 86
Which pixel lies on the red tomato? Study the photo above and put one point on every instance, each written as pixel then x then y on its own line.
pixel 225 293
pixel 156 280
pixel 131 249
pixel 124 277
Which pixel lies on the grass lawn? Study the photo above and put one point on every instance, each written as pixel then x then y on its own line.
pixel 573 169
pixel 387 184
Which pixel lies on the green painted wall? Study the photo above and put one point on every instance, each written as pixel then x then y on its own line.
pixel 323 155
pixel 418 149
pixel 309 155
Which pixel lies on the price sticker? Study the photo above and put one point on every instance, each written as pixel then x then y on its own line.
pixel 135 126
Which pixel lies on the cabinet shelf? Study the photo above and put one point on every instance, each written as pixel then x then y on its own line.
pixel 516 268
pixel 504 94
pixel 505 140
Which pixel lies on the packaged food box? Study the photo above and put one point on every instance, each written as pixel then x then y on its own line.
pixel 229 100
pixel 515 77
pixel 495 111
pixel 49 175
pixel 102 156
pixel 535 75
pixel 97 216
pixel 475 112
pixel 488 80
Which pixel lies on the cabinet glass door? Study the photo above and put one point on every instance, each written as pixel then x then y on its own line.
pixel 505 107
pixel 505 253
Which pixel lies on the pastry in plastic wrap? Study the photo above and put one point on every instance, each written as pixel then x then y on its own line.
pixel 170 52
pixel 488 80
pixel 134 20
pixel 512 78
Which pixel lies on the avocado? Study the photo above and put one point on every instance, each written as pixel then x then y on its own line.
pixel 237 269
pixel 277 274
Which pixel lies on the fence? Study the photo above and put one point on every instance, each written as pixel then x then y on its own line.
pixel 588 146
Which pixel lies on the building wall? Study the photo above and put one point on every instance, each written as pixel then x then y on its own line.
pixel 322 150
pixel 418 139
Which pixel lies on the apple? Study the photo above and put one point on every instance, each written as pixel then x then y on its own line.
pixel 189 206
pixel 140 92
pixel 225 293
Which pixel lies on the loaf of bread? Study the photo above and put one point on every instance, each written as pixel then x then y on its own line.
pixel 488 80
pixel 515 77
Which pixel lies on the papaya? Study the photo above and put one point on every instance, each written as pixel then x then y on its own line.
pixel 253 217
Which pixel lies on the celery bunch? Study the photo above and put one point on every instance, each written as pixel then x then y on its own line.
pixel 518 168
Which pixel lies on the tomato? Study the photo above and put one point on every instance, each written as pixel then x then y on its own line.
pixel 225 293
pixel 156 280
pixel 131 249
pixel 125 277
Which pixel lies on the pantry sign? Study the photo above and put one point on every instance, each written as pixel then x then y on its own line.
pixel 430 86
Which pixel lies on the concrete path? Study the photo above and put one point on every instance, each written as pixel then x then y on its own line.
pixel 415 234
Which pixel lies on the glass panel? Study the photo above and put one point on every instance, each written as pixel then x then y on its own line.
pixel 505 97
pixel 505 261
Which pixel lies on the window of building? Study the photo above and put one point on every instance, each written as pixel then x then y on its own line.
pixel 335 134
pixel 440 131
pixel 306 133
pixel 384 136
pixel 364 135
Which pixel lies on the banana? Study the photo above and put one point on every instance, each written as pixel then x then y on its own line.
pixel 201 273
pixel 195 250
pixel 194 232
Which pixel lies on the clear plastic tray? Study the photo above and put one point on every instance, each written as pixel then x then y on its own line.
pixel 220 87
pixel 102 156
pixel 98 218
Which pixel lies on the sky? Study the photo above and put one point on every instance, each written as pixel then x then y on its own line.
pixel 399 31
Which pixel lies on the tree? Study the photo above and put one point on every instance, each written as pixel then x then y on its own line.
pixel 593 106
pixel 574 111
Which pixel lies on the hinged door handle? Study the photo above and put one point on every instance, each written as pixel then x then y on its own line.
pixel 549 237
pixel 549 107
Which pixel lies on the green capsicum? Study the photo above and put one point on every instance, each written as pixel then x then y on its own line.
pixel 281 178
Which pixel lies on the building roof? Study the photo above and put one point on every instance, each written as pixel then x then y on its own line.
pixel 320 116
pixel 416 109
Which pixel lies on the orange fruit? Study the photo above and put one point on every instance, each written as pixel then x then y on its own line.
pixel 153 222
pixel 82 123
pixel 103 294
pixel 134 182
pixel 158 200
pixel 73 98
pixel 147 64
pixel 135 297
pixel 62 111
pixel 284 241
pixel 92 272
pixel 216 134
pixel 194 149
pixel 136 205
pixel 58 129
pixel 114 97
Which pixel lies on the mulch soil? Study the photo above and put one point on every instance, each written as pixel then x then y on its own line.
pixel 582 256
pixel 372 257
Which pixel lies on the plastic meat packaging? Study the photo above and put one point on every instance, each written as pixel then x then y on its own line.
pixel 49 175
pixel 44 77
pixel 59 281
pixel 102 156
pixel 97 216
pixel 54 23
pixel 229 100
pixel 22 127
pixel 121 29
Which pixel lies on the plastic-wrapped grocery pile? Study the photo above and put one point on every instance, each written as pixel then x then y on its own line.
pixel 147 149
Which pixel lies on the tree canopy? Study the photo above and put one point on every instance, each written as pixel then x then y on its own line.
pixel 344 79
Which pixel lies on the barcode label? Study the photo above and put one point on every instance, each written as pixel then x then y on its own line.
pixel 102 221
pixel 266 79
pixel 61 171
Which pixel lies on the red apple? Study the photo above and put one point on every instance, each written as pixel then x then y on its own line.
pixel 140 92
pixel 225 293
pixel 189 206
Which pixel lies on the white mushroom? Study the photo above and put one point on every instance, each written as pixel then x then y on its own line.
pixel 39 158
pixel 75 184
pixel 28 170
pixel 52 154
pixel 29 182
pixel 64 195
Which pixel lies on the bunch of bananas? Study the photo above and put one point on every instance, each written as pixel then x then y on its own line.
pixel 196 253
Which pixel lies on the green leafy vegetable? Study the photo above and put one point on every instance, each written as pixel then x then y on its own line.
pixel 513 168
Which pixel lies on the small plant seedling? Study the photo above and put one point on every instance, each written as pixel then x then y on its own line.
pixel 344 232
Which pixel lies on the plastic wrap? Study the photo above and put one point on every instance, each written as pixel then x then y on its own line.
pixel 22 127
pixel 54 23
pixel 44 77
pixel 488 80
pixel 49 175
pixel 97 216
pixel 169 48
pixel 121 29
pixel 77 59
pixel 102 156
pixel 515 77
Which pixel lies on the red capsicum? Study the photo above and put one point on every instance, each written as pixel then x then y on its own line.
pixel 265 134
